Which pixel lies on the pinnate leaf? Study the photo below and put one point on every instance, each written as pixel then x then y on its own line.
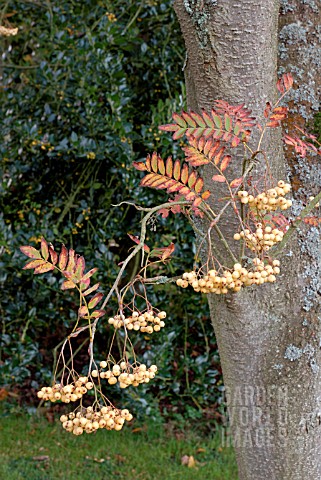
pixel 177 170
pixel 199 185
pixel 84 284
pixel 71 261
pixel 95 300
pixel 44 249
pixel 30 252
pixel 154 162
pixel 63 258
pixel 68 284
pixel 188 119
pixel 83 311
pixel 179 120
pixel 91 289
pixel 227 123
pixel 34 263
pixel 217 119
pixel 80 267
pixel 97 313
pixel 236 182
pixel 137 240
pixel 140 166
pixel 89 274
pixel 225 162
pixel 53 255
pixel 218 178
pixel 45 267
pixel 206 194
pixel 184 174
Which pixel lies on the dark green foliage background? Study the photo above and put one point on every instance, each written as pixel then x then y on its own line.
pixel 84 86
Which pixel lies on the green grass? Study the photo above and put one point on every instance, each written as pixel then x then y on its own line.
pixel 147 454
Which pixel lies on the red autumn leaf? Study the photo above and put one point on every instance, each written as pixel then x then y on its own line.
pixel 236 182
pixel 71 261
pixel 140 166
pixel 63 258
pixel 168 251
pixel 218 178
pixel 225 162
pixel 80 267
pixel 268 109
pixel 136 240
pixel 84 284
pixel 53 255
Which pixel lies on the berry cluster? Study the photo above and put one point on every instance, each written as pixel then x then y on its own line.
pixel 270 200
pixel 68 393
pixel 261 239
pixel 233 281
pixel 147 322
pixel 89 420
pixel 126 374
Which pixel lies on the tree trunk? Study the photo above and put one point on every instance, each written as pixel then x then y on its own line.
pixel 268 336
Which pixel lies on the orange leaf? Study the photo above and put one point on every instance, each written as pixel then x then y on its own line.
pixel 218 178
pixel 206 194
pixel 63 258
pixel 168 251
pixel 192 179
pixel 67 284
pixel 225 162
pixel 169 167
pixel 140 166
pixel 184 174
pixel 82 311
pixel 236 182
pixel 199 185
pixel 177 170
pixel 53 255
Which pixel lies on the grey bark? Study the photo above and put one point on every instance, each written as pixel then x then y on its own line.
pixel 268 336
